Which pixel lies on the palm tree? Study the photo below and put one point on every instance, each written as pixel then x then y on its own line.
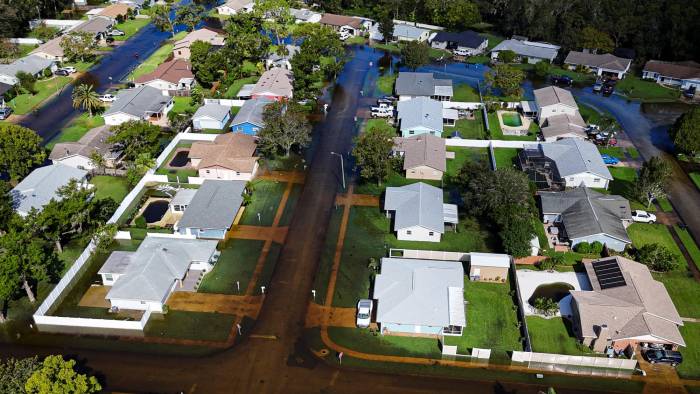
pixel 84 96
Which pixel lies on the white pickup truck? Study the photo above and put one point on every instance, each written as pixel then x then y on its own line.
pixel 383 110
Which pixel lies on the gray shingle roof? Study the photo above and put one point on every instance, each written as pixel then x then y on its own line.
pixel 156 265
pixel 94 140
pixel 420 112
pixel 564 125
pixel 422 150
pixel 467 39
pixel 552 95
pixel 540 50
pixel 212 111
pixel 408 31
pixel 586 212
pixel 31 64
pixel 140 102
pixel 96 25
pixel 276 81
pixel 421 84
pixel 607 60
pixel 251 112
pixel 417 204
pixel 183 197
pixel 214 206
pixel 574 156
pixel 302 14
pixel 418 292
pixel 41 185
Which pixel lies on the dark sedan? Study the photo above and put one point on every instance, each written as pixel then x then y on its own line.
pixel 662 356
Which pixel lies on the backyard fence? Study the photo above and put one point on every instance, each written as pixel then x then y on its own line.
pixel 521 308
pixel 227 102
pixel 26 41
pixel 458 142
pixel 579 365
pixel 428 254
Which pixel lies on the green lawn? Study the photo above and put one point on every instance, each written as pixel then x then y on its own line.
pixel 689 244
pixel 266 199
pixel 76 129
pixel 269 267
pixel 363 341
pixel 590 114
pixel 380 124
pixel 327 255
pixel 236 263
pixel 24 103
pixel 236 86
pixel 479 59
pixel 385 83
pixel 130 27
pixel 638 89
pixel 497 133
pixel 493 40
pixel 357 40
pixel 396 49
pixel 643 233
pixel 291 204
pixel 695 177
pixel 576 76
pixel 624 179
pixel 24 49
pixel 190 325
pixel 150 64
pixel 492 322
pixel 470 129
pixel 684 291
pixel 182 105
pixel 71 251
pixel 506 157
pixel 690 367
pixel 110 186
pixel 463 155
pixel 466 93
pixel 554 336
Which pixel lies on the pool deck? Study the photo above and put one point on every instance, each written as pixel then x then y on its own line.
pixel 513 130
pixel 529 281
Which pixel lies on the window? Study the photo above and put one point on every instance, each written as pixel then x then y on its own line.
pixel 109 277
pixel 596 180
pixel 408 232
pixel 431 233
pixel 208 171
pixel 238 173
pixel 571 179
pixel 143 302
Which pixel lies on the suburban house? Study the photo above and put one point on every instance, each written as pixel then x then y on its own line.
pixel 133 3
pixel 419 213
pixel 32 64
pixel 245 92
pixel 140 103
pixel 249 118
pixel 181 200
pixel 211 116
pixel 685 75
pixel 424 156
pixel 558 114
pixel 282 61
pixel 144 279
pixel 173 77
pixel 181 49
pixel 212 210
pixel 411 85
pixel 488 267
pixel 404 32
pixel 78 154
pixel 232 7
pixel 41 186
pixel 305 15
pixel 274 84
pixel 422 115
pixel 230 156
pixel 526 51
pixel 466 43
pixel 585 215
pixel 50 50
pixel 114 11
pixel 625 308
pixel 602 65
pixel 569 162
pixel 342 23
pixel 420 297
pixel 98 26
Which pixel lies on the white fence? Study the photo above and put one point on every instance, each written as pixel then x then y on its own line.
pixel 26 41
pixel 458 142
pixel 421 25
pixel 228 102
pixel 50 323
pixel 461 105
pixel 429 254
pixel 580 365
pixel 57 23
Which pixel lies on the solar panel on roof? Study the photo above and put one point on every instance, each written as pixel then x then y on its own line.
pixel 609 274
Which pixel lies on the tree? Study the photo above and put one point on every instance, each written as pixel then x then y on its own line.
pixel 137 168
pixel 57 375
pixel 685 132
pixel 20 150
pixel 415 54
pixel 10 279
pixel 453 14
pixel 542 68
pixel 285 126
pixel 596 40
pixel 78 45
pixel 8 49
pixel 162 18
pixel 86 98
pixel 386 24
pixel 104 237
pixel 657 257
pixel 27 82
pixel 15 372
pixel 546 306
pixel 277 17
pixel 553 259
pixel 243 39
pixel 207 66
pixel 6 209
pixel 652 180
pixel 136 137
pixel 44 32
pixel 506 56
pixel 372 153
pixel 189 15
pixel 196 96
pixel 516 235
pixel 318 43
pixel 506 78
pixel 98 161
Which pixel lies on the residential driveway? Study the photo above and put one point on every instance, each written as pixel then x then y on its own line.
pixel 529 281
pixel 219 303
pixel 319 315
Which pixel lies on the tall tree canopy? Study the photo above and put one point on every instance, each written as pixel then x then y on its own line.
pixel 505 78
pixel 14 373
pixel 372 153
pixel 57 375
pixel 320 55
pixel 653 179
pixel 137 137
pixel 286 126
pixel 20 150
pixel 452 14
pixel 685 133
pixel 415 54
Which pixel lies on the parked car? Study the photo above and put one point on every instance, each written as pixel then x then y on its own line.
pixel 643 217
pixel 389 99
pixel 608 89
pixel 61 72
pixel 115 32
pixel 689 93
pixel 107 98
pixel 5 112
pixel 344 35
pixel 663 356
pixel 70 69
pixel 562 80
pixel 597 87
pixel 384 101
pixel 610 160
pixel 364 313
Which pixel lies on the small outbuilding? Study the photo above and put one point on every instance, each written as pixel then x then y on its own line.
pixel 488 267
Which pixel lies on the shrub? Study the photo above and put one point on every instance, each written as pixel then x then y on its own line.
pixel 657 257
pixel 546 306
pixel 140 222
pixel 596 247
pixel 583 247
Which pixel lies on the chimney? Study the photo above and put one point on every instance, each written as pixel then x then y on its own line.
pixel 601 341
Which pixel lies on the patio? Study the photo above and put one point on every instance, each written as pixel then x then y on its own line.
pixel 513 123
pixel 555 237
pixel 529 281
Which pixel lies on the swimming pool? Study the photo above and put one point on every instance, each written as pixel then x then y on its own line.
pixel 180 159
pixel 511 119
pixel 155 211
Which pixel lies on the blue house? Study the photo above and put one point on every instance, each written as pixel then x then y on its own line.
pixel 249 118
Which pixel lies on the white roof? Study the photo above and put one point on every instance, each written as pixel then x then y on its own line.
pixel 417 204
pixel 41 185
pixel 489 260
